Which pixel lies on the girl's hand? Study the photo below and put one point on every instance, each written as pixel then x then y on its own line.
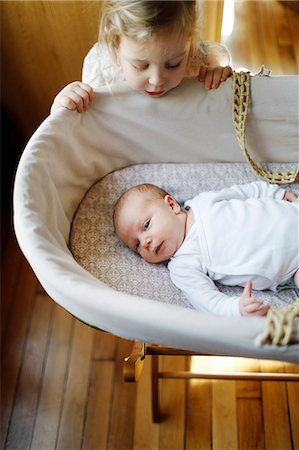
pixel 75 95
pixel 212 77
pixel 290 197
pixel 249 306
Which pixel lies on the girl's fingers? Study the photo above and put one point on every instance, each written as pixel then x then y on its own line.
pixel 73 101
pixel 208 78
pixel 217 73
pixel 226 72
pixel 88 89
pixel 84 95
pixel 213 77
pixel 202 73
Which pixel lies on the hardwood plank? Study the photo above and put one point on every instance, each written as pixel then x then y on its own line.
pixel 272 58
pixel 96 429
pixel 247 388
pixel 284 39
pixel 237 41
pixel 275 410
pixel 18 322
pixel 293 24
pixel 212 13
pixel 48 413
pixel 199 408
pixel 289 60
pixel 146 433
pixel 33 30
pixel 224 407
pixel 256 51
pixel 280 21
pixel 11 257
pixel 250 424
pixel 28 389
pixel 173 397
pixel 121 428
pixel 76 391
pixel 293 401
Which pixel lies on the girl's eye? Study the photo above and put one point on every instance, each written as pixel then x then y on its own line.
pixel 146 225
pixel 173 66
pixel 140 68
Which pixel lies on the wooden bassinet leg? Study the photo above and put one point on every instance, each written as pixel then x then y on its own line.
pixel 155 389
pixel 133 364
pixel 132 369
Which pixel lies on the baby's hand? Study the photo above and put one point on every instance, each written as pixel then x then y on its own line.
pixel 249 306
pixel 212 77
pixel 75 95
pixel 290 197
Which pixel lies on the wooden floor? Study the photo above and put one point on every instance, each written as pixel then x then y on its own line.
pixel 62 384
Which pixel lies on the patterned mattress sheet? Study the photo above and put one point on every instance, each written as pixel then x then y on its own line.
pixel 96 248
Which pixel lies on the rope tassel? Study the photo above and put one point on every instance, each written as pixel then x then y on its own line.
pixel 240 106
pixel 280 325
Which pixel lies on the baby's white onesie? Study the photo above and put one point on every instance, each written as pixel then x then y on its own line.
pixel 246 231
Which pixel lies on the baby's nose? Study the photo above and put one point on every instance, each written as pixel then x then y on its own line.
pixel 146 242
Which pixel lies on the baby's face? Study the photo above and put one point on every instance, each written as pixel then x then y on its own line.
pixel 153 228
pixel 157 65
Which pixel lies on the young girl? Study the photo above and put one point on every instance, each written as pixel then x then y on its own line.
pixel 152 45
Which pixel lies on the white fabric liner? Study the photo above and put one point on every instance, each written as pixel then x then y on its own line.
pixel 70 151
pixel 95 246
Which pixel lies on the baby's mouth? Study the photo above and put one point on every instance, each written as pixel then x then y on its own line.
pixel 159 247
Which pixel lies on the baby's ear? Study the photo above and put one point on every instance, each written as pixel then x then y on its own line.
pixel 170 201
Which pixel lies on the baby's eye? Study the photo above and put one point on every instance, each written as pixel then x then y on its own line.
pixel 146 225
pixel 137 246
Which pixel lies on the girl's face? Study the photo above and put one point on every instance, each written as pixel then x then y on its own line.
pixel 157 65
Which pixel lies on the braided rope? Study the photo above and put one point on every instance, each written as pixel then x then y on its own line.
pixel 240 105
pixel 280 325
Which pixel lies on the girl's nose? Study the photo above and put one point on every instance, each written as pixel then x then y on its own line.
pixel 156 78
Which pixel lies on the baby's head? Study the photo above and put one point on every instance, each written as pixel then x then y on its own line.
pixel 153 41
pixel 150 222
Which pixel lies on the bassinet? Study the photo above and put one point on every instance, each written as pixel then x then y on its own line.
pixel 70 151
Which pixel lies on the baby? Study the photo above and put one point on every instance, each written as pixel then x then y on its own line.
pixel 245 235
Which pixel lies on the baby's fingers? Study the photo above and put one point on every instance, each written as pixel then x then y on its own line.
pixel 256 308
pixel 253 306
pixel 247 292
pixel 262 311
pixel 290 197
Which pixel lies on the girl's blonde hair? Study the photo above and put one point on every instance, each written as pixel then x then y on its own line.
pixel 140 19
